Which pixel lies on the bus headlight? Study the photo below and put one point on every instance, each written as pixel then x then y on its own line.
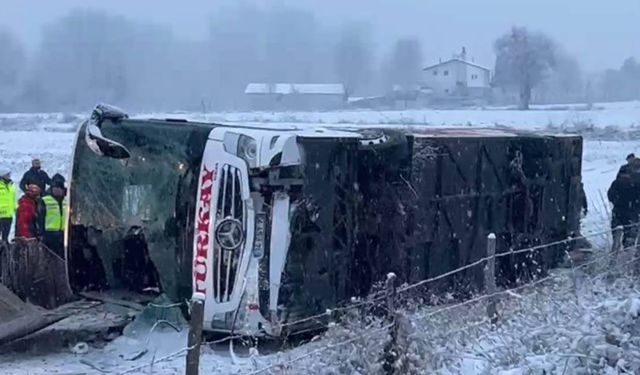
pixel 242 146
pixel 248 150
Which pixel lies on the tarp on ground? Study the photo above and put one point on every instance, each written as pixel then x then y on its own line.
pixel 35 274
pixel 18 319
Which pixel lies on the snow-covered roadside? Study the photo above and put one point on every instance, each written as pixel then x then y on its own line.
pixel 574 324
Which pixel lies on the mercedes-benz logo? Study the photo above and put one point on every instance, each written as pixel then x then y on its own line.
pixel 229 234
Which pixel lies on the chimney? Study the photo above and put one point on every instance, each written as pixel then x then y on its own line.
pixel 463 55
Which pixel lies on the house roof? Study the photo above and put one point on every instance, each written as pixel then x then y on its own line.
pixel 456 60
pixel 296 88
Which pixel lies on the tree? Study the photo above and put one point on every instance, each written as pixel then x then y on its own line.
pixel 568 74
pixel 236 47
pixel 90 56
pixel 623 83
pixel 404 64
pixel 522 61
pixel 83 59
pixel 353 57
pixel 12 61
pixel 630 72
pixel 251 44
pixel 565 82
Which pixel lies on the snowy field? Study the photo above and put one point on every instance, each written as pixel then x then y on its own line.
pixel 574 320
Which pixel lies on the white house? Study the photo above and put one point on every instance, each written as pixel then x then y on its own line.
pixel 457 77
pixel 295 96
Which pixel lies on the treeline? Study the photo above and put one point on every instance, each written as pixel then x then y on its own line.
pixel 91 56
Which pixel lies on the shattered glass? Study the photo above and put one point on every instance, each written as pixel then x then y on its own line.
pixel 130 219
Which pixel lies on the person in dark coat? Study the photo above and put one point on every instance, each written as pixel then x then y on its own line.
pixel 625 168
pixel 624 194
pixel 35 176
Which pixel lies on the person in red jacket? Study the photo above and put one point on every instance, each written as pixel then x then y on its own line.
pixel 28 217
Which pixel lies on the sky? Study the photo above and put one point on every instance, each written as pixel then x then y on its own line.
pixel 601 34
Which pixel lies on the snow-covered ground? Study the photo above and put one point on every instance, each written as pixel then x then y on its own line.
pixel 558 326
pixel 625 115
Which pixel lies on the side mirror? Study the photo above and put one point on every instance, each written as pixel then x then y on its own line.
pixel 104 146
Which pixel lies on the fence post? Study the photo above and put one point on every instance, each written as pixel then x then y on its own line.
pixel 390 288
pixel 390 353
pixel 195 333
pixel 490 279
pixel 618 233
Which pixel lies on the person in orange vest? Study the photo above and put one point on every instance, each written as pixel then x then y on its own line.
pixel 8 204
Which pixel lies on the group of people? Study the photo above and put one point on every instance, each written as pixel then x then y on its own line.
pixel 624 195
pixel 39 213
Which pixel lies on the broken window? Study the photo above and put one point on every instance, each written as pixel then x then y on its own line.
pixel 137 202
pixel 130 220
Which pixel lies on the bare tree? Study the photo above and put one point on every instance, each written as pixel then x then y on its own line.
pixel 569 75
pixel 89 56
pixel 621 84
pixel 236 45
pixel 404 64
pixel 353 57
pixel 522 61
pixel 630 71
pixel 83 59
pixel 12 61
pixel 565 82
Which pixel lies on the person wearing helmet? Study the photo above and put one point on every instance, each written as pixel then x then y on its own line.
pixel 8 205
pixel 29 215
pixel 54 215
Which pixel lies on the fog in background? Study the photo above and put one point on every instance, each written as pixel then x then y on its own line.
pixel 66 55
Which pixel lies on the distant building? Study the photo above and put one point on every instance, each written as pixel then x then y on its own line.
pixel 412 97
pixel 459 78
pixel 295 96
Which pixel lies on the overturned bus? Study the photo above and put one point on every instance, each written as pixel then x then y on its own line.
pixel 275 224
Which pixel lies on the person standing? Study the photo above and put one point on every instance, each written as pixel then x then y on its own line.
pixel 29 214
pixel 8 204
pixel 626 169
pixel 35 176
pixel 54 215
pixel 624 195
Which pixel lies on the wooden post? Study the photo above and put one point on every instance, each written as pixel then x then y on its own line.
pixel 195 333
pixel 490 279
pixel 618 233
pixel 390 352
pixel 390 287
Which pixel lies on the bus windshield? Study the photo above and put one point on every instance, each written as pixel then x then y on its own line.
pixel 136 213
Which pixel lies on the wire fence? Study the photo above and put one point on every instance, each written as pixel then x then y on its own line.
pixel 510 293
pixel 382 298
